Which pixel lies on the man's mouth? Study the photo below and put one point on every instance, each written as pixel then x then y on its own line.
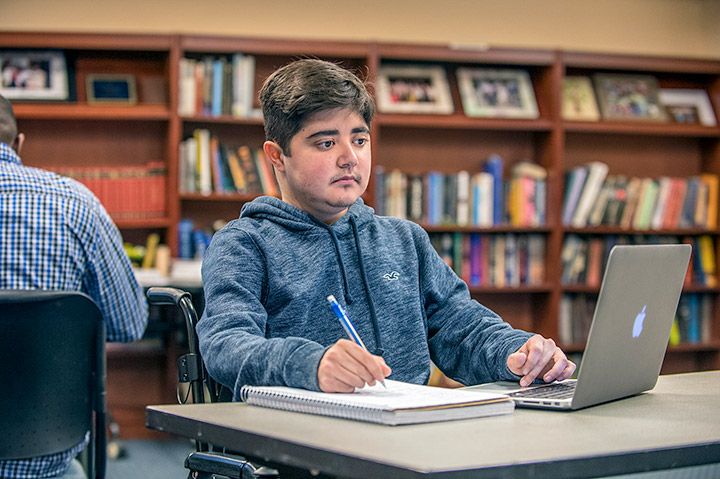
pixel 346 179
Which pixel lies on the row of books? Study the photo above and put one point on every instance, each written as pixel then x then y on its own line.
pixel 209 166
pixel 503 260
pixel 217 85
pixel 193 239
pixel 126 192
pixel 691 324
pixel 480 199
pixel 594 198
pixel 584 257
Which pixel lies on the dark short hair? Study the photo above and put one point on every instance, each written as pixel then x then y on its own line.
pixel 302 88
pixel 8 124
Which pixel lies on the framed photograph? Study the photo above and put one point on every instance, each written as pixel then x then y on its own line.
pixel 106 88
pixel 497 93
pixel 578 99
pixel 688 106
pixel 33 75
pixel 684 114
pixel 413 89
pixel 629 97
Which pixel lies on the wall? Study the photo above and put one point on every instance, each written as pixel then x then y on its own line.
pixel 659 27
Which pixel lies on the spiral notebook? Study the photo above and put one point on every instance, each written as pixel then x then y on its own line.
pixel 398 403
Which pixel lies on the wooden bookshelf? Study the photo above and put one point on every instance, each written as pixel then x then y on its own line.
pixel 77 133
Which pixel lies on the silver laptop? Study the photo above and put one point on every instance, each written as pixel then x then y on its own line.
pixel 629 332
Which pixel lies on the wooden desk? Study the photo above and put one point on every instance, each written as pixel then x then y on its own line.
pixel 677 424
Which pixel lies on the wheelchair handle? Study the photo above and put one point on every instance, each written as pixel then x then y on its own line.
pixel 161 295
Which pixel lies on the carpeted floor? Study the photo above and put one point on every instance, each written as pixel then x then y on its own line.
pixel 150 459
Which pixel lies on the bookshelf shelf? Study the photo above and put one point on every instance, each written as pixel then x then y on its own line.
pixel 581 288
pixel 694 347
pixel 682 348
pixel 222 120
pixel 612 230
pixel 540 289
pixel 501 229
pixel 643 128
pixel 459 121
pixel 91 112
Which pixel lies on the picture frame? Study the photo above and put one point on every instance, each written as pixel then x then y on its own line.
pixel 33 75
pixel 682 102
pixel 578 99
pixel 629 97
pixel 686 114
pixel 108 88
pixel 413 89
pixel 497 93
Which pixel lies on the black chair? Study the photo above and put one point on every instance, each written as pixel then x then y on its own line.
pixel 52 352
pixel 205 463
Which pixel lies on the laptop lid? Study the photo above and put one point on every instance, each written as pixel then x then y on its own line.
pixel 631 325
pixel 629 333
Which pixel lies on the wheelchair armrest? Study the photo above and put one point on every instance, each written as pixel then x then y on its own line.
pixel 160 295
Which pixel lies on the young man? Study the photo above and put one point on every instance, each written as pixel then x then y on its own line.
pixel 56 235
pixel 267 274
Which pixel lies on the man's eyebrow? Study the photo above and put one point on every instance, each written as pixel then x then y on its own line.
pixel 323 133
pixel 359 129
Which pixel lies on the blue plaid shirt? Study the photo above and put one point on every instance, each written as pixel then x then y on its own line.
pixel 55 235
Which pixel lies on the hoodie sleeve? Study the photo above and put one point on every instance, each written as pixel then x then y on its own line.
pixel 468 342
pixel 232 329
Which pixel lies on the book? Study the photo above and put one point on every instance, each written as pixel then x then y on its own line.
pixel 711 216
pixel 482 199
pixel 646 204
pixel 574 184
pixel 398 403
pixel 632 198
pixel 494 166
pixel 151 247
pixel 203 177
pixel 596 173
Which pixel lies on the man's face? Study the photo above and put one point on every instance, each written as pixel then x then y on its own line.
pixel 329 166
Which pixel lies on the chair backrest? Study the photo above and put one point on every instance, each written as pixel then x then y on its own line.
pixel 52 368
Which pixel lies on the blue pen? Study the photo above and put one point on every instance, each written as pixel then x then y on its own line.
pixel 347 325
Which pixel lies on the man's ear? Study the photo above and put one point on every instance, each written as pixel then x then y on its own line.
pixel 275 154
pixel 18 142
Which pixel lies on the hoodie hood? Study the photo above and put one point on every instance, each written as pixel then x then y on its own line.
pixel 296 220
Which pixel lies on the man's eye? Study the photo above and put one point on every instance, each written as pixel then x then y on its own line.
pixel 326 145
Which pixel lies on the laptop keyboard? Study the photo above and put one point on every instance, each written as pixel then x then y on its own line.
pixel 551 391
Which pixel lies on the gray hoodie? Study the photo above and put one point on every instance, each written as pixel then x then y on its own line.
pixel 267 275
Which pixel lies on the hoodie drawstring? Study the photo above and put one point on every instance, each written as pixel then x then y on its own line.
pixel 346 289
pixel 371 305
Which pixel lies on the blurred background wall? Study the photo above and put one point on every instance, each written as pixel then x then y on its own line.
pixel 689 28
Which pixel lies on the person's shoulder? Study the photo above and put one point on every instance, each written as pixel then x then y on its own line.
pixel 400 225
pixel 80 200
pixel 238 230
pixel 50 182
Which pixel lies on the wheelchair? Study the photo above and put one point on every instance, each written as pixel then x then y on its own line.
pixel 206 462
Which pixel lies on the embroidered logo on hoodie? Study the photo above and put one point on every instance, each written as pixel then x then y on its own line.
pixel 392 276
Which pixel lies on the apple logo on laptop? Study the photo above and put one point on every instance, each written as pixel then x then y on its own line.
pixel 638 324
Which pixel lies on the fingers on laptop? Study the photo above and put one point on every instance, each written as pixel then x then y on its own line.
pixel 542 358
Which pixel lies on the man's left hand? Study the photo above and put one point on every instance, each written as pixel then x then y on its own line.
pixel 540 357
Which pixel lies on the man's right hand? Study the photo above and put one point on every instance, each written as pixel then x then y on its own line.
pixel 346 366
